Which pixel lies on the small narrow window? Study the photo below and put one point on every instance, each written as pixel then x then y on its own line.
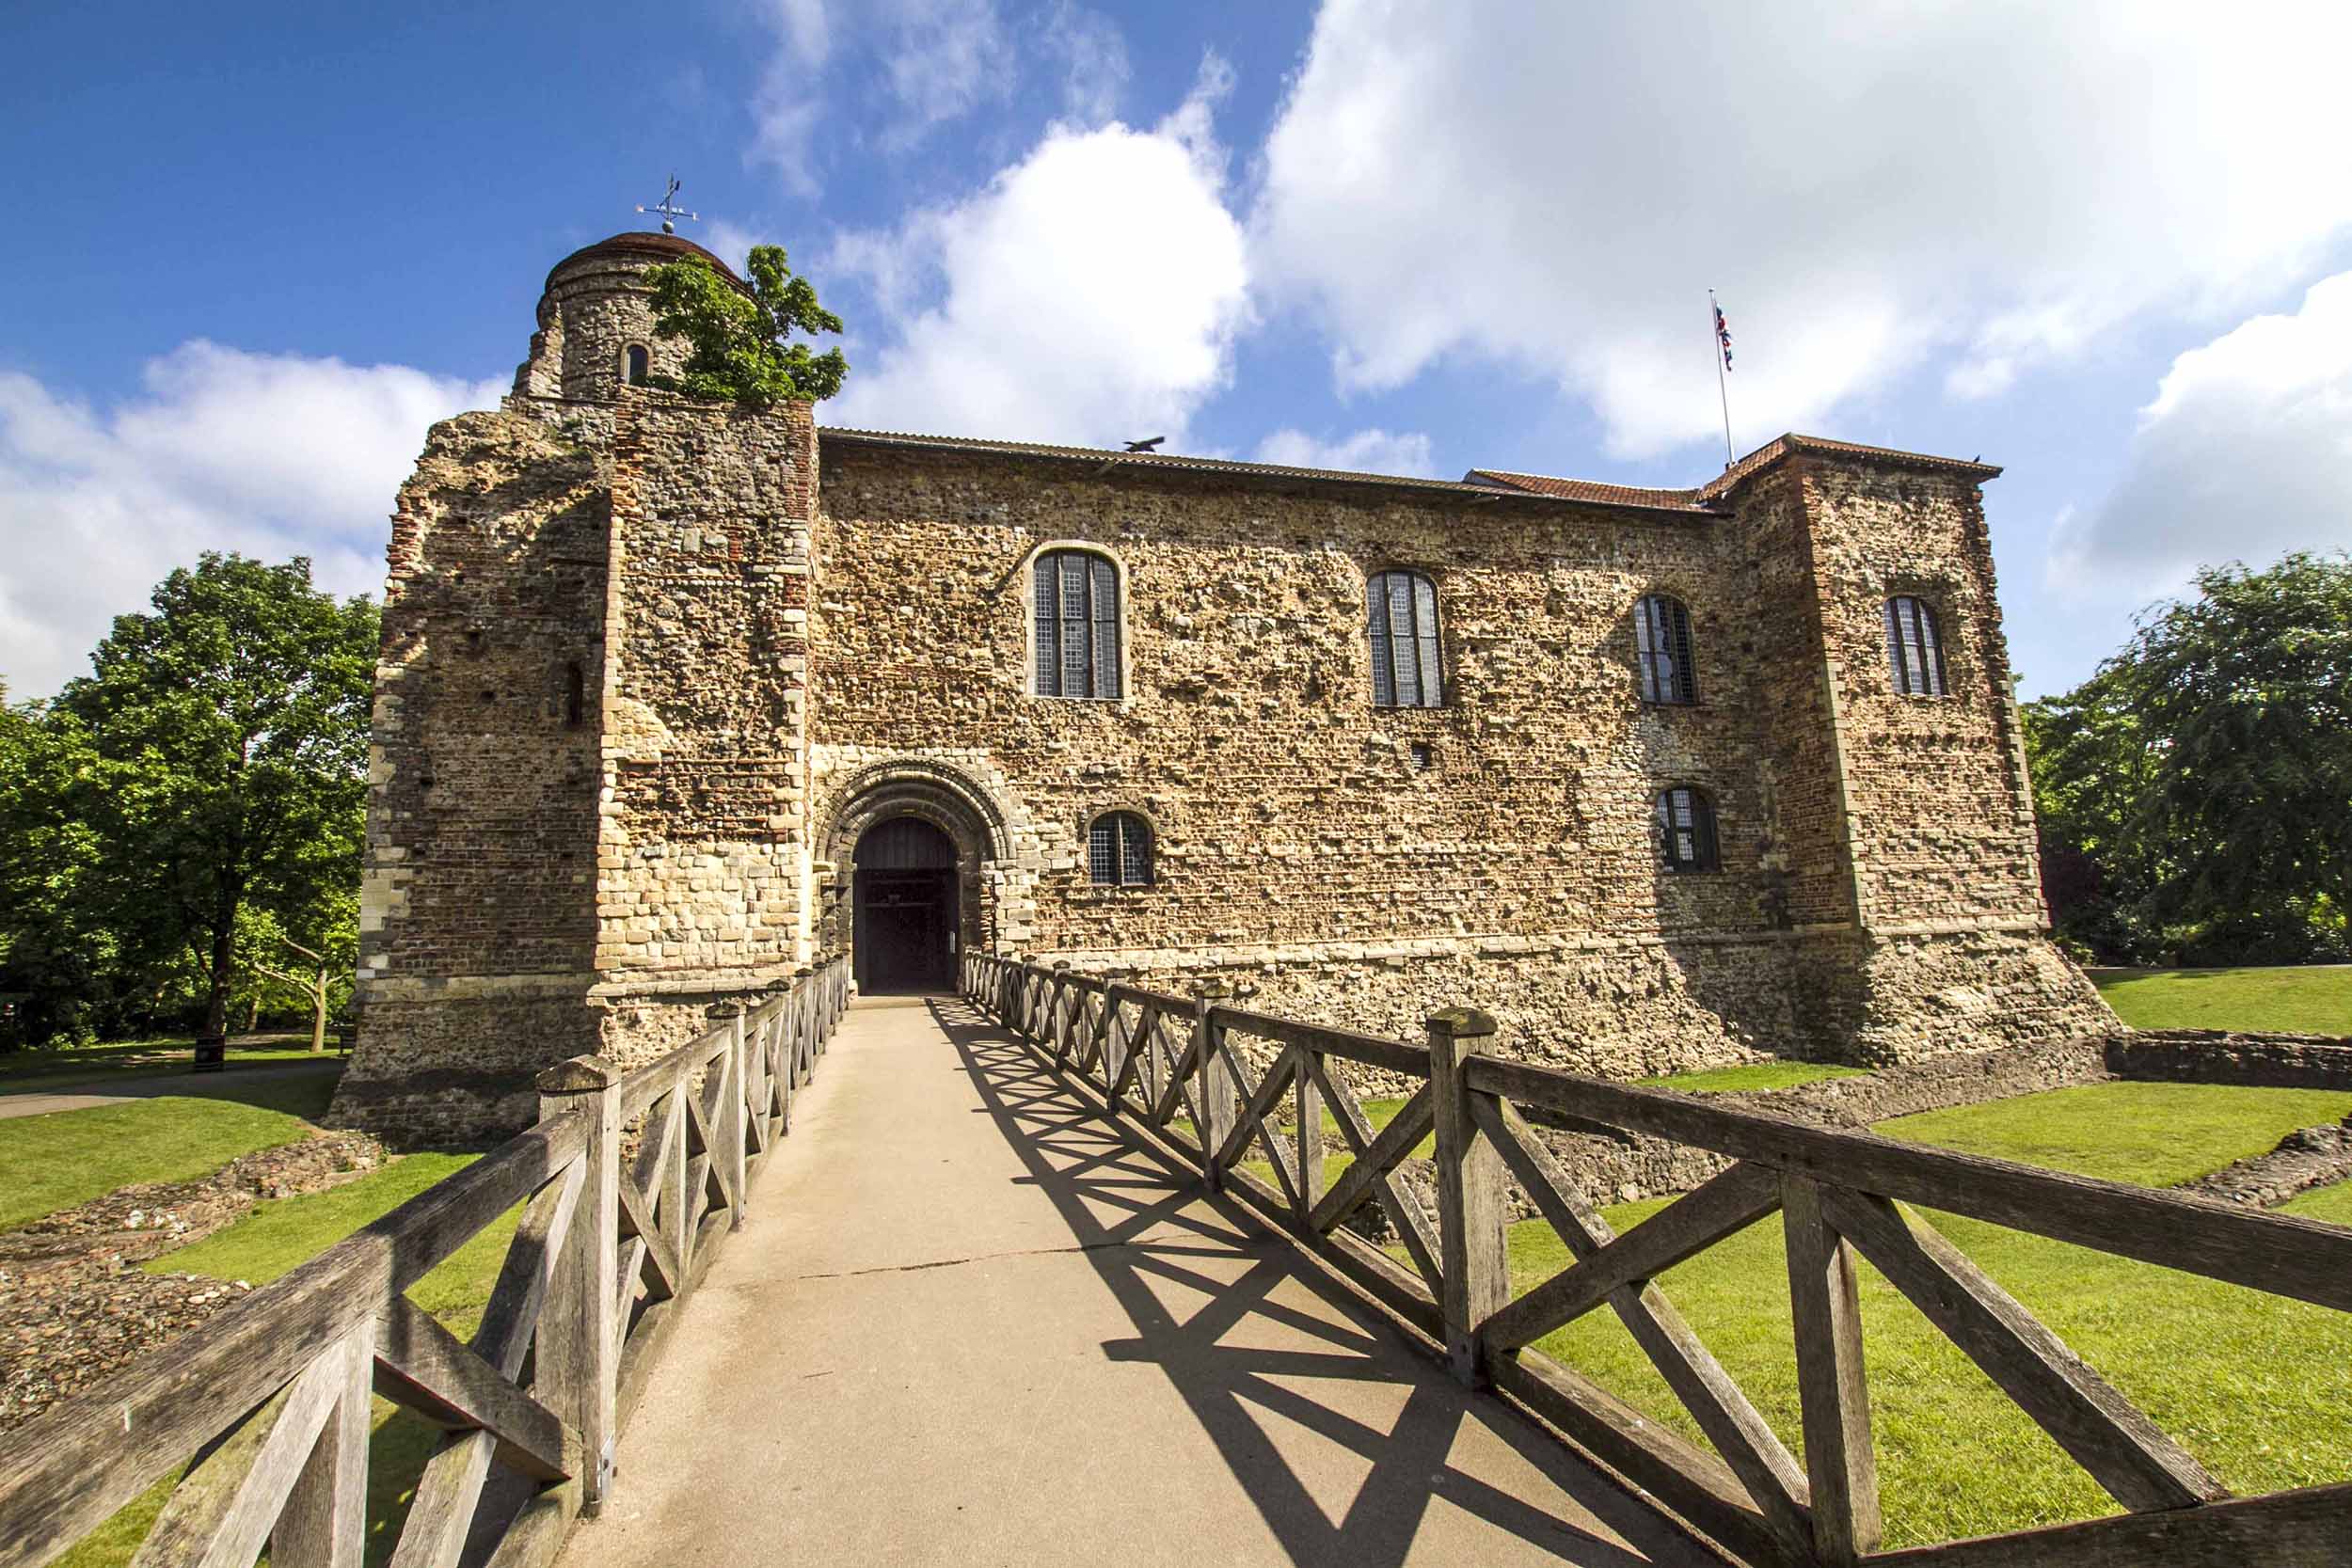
pixel 1686 829
pixel 1077 623
pixel 1424 756
pixel 639 364
pixel 575 696
pixel 1119 850
pixel 1661 645
pixel 1915 651
pixel 1401 617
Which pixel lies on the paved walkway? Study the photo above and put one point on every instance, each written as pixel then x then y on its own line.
pixel 114 1091
pixel 970 1322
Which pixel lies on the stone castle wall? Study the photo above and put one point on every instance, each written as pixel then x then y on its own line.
pixel 477 926
pixel 648 675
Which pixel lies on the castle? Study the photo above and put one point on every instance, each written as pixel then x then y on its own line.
pixel 674 697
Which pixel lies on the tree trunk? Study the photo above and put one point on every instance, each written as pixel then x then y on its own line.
pixel 253 1014
pixel 318 1014
pixel 224 958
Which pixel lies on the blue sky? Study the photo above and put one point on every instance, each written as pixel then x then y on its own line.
pixel 2107 244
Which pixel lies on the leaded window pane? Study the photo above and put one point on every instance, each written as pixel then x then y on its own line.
pixel 1136 852
pixel 1048 626
pixel 1105 594
pixel 1074 625
pixel 1686 829
pixel 1661 641
pixel 1103 851
pixel 1426 640
pixel 1401 619
pixel 1914 653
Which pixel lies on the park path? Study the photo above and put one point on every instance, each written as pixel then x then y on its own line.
pixel 970 1322
pixel 114 1091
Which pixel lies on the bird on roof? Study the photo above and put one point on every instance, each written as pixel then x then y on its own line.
pixel 1151 445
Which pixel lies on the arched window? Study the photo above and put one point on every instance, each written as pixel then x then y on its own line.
pixel 1661 641
pixel 636 364
pixel 1078 625
pixel 1686 829
pixel 1401 613
pixel 1119 850
pixel 1915 651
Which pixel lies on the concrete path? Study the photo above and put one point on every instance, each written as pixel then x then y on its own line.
pixel 114 1091
pixel 970 1322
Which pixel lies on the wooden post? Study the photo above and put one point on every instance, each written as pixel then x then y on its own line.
pixel 1218 1094
pixel 1474 1262
pixel 579 1339
pixel 1308 1094
pixel 731 1132
pixel 325 1521
pixel 1840 1462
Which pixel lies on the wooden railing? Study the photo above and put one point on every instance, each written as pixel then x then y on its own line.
pixel 263 1415
pixel 1170 1064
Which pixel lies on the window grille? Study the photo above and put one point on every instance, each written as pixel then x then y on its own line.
pixel 1401 614
pixel 1686 829
pixel 1661 638
pixel 1078 625
pixel 1914 652
pixel 1119 850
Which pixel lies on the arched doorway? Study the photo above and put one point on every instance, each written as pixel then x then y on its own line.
pixel 903 907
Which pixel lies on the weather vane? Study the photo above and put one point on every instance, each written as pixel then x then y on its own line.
pixel 670 209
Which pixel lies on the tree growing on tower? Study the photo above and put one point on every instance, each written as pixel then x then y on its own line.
pixel 739 338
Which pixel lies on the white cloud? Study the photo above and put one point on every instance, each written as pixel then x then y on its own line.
pixel 1093 53
pixel 938 60
pixel 1367 452
pixel 2245 453
pixel 1090 293
pixel 1555 188
pixel 273 455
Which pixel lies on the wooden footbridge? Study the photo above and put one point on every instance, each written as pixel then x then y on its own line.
pixel 1009 1294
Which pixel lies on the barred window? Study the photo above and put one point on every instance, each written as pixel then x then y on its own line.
pixel 1119 850
pixel 637 365
pixel 1686 829
pixel 1661 638
pixel 1401 613
pixel 1914 652
pixel 1078 625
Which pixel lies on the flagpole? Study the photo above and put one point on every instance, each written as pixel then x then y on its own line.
pixel 1714 336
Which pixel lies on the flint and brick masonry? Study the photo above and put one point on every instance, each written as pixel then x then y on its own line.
pixel 651 667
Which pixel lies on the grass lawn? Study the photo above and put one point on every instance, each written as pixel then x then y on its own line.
pixel 1751 1075
pixel 2150 1134
pixel 2313 1000
pixel 275 1238
pixel 37 1071
pixel 52 1162
pixel 2254 1385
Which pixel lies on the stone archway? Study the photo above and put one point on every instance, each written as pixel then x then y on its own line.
pixel 930 793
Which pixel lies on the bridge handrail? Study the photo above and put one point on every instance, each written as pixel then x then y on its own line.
pixel 1169 1064
pixel 267 1405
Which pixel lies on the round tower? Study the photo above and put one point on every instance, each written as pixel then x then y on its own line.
pixel 595 320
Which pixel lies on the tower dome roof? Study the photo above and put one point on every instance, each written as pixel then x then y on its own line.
pixel 646 247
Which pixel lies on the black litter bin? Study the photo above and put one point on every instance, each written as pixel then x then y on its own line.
pixel 211 1053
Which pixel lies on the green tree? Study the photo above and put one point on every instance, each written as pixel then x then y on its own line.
pixel 2206 769
pixel 737 336
pixel 54 956
pixel 227 734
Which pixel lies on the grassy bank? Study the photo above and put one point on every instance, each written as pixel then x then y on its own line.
pixel 2314 999
pixel 52 1162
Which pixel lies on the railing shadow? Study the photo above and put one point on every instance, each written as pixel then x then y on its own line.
pixel 1143 1225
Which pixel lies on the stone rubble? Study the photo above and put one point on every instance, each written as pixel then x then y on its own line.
pixel 74 1304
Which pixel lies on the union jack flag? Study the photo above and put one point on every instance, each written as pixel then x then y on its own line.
pixel 1723 335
